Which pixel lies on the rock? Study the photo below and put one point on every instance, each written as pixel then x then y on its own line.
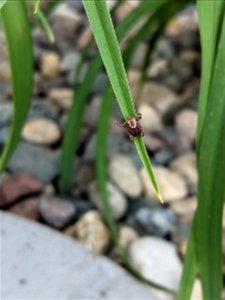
pixel 185 165
pixel 127 235
pixel 42 109
pixel 117 201
pixel 150 118
pixel 65 21
pixel 91 231
pixel 183 69
pixel 156 221
pixel 186 123
pixel 4 135
pixel 190 56
pixel 5 73
pixel 153 143
pixel 158 68
pixel 160 97
pixel 27 208
pixel 70 61
pixel 171 185
pixel 34 160
pixel 64 269
pixel 163 157
pixel 5 114
pixel 61 97
pixel 156 259
pixel 82 205
pixel 4 177
pixel 134 77
pixel 165 49
pixel 181 233
pixel 56 212
pixel 50 64
pixel 84 175
pixel 125 175
pixel 41 131
pixel 18 186
pixel 100 83
pixel 185 208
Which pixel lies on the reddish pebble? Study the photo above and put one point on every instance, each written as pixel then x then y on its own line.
pixel 19 186
pixel 27 208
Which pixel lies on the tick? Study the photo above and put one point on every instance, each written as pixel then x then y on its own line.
pixel 134 129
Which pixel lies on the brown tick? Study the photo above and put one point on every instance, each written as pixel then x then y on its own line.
pixel 134 129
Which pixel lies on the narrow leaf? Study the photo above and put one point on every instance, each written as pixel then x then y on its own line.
pixel 2 3
pixel 18 36
pixel 102 27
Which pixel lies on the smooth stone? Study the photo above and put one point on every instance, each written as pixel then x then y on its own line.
pixel 68 272
pixel 84 175
pixel 56 212
pixel 18 186
pixel 171 185
pixel 163 157
pixel 5 73
pixel 4 136
pixel 27 208
pixel 35 160
pixel 159 67
pixel 159 96
pixel 41 131
pixel 117 201
pixel 153 143
pixel 181 233
pixel 157 260
pixel 183 70
pixel 65 21
pixel 185 165
pixel 100 83
pixel 82 205
pixel 50 64
pixel 91 231
pixel 165 49
pixel 125 175
pixel 134 77
pixel 61 97
pixel 69 62
pixel 186 123
pixel 185 208
pixel 127 235
pixel 6 112
pixel 158 221
pixel 42 109
pixel 151 120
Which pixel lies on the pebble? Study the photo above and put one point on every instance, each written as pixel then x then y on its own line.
pixel 5 114
pixel 185 208
pixel 35 160
pixel 50 64
pixel 18 186
pixel 156 221
pixel 92 112
pixel 125 175
pixel 171 185
pixel 186 123
pixel 117 201
pixel 91 231
pixel 69 62
pixel 163 157
pixel 138 57
pixel 4 135
pixel 28 208
pixel 99 84
pixel 42 109
pixel 56 212
pixel 41 131
pixel 61 97
pixel 151 120
pixel 185 165
pixel 5 73
pixel 156 259
pixel 165 49
pixel 84 175
pixel 127 235
pixel 65 21
pixel 134 77
pixel 159 96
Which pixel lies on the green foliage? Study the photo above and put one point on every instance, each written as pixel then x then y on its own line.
pixel 102 27
pixel 18 36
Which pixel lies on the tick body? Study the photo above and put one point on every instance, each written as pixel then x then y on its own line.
pixel 134 129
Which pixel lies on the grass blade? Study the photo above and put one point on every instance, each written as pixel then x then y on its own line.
pixel 102 27
pixel 101 143
pixel 72 131
pixel 37 6
pixel 189 270
pixel 18 36
pixel 46 25
pixel 211 162
pixel 209 34
pixel 2 3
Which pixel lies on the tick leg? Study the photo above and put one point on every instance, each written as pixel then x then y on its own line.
pixel 138 117
pixel 121 125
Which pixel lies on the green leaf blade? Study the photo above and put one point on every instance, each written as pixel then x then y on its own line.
pixel 18 38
